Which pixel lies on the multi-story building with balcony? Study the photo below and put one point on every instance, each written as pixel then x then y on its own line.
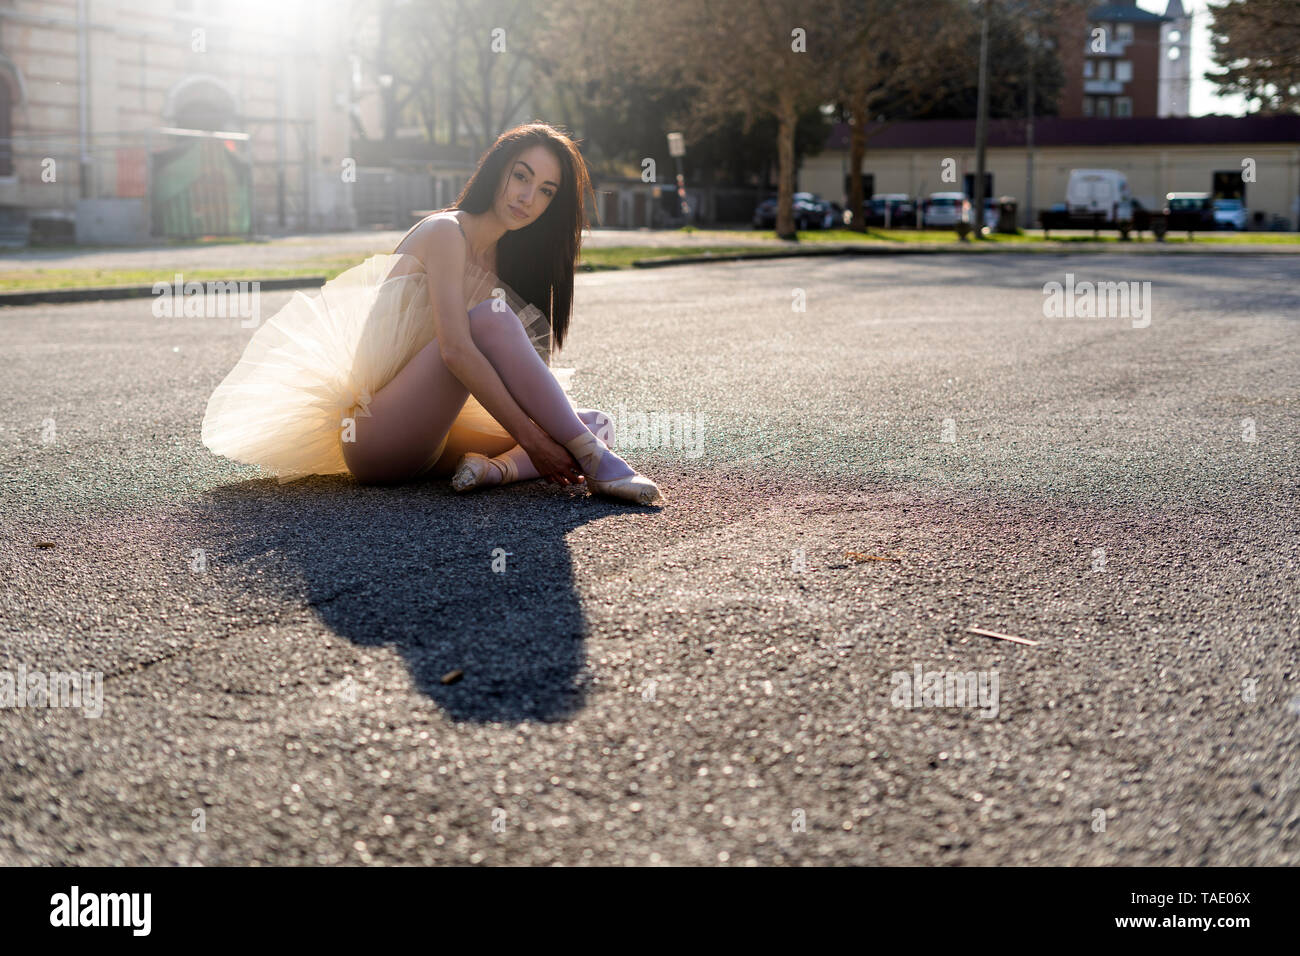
pixel 1128 62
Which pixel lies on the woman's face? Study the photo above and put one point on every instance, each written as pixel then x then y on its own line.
pixel 532 181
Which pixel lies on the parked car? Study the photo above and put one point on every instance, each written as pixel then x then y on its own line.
pixel 813 212
pixel 1189 212
pixel 810 212
pixel 1230 214
pixel 894 210
pixel 946 209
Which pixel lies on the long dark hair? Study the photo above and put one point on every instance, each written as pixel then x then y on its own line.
pixel 538 260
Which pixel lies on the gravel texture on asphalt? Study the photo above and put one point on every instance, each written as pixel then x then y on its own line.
pixel 711 682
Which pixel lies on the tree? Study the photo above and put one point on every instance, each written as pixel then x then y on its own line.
pixel 401 60
pixel 754 58
pixel 784 59
pixel 502 36
pixel 452 64
pixel 887 63
pixel 1010 49
pixel 601 79
pixel 583 57
pixel 1257 46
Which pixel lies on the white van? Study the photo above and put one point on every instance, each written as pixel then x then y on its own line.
pixel 1099 194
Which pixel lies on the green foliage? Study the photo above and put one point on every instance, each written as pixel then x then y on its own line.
pixel 1257 49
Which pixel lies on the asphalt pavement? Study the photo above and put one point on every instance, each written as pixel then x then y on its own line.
pixel 881 455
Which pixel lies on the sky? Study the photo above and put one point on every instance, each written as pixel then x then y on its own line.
pixel 1205 98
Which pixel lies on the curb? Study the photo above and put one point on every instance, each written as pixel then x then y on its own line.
pixel 920 249
pixel 101 293
pixel 104 293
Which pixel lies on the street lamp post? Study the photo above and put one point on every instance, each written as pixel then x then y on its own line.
pixel 1031 50
pixel 677 149
pixel 981 122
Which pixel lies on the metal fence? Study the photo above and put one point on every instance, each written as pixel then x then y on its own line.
pixel 387 197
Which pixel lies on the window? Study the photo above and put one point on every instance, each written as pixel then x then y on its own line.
pixel 1124 32
pixel 1123 106
pixel 1088 68
pixel 1088 106
pixel 1103 106
pixel 1124 71
pixel 1103 70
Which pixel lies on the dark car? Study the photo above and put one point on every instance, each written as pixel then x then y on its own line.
pixel 810 212
pixel 901 210
pixel 1189 212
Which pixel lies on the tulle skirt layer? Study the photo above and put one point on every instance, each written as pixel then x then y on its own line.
pixel 320 360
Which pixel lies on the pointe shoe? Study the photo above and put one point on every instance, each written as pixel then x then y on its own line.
pixel 589 450
pixel 472 469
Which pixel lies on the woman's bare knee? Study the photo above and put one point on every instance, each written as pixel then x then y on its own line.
pixel 490 319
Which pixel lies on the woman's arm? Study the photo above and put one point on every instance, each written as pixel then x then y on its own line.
pixel 442 250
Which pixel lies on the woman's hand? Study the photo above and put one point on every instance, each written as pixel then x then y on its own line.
pixel 552 460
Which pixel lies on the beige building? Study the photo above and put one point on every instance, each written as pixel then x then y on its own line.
pixel 89 88
pixel 1257 156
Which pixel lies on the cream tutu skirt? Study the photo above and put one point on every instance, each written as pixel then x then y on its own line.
pixel 318 362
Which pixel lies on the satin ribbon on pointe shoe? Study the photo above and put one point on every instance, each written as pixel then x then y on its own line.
pixel 589 450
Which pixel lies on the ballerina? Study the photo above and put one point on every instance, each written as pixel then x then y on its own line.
pixel 427 361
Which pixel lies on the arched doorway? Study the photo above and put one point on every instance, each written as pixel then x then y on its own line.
pixel 202 102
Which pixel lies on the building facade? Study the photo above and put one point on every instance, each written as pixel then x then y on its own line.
pixel 1254 157
pixel 94 94
pixel 1122 61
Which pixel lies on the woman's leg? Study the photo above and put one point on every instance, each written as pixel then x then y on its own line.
pixel 461 440
pixel 409 418
pixel 516 459
pixel 413 413
pixel 500 336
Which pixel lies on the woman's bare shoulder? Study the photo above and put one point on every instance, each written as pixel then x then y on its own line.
pixel 434 240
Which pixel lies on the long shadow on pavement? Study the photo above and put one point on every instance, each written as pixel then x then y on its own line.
pixel 412 567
